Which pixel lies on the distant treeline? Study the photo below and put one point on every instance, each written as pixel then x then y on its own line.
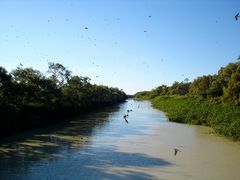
pixel 212 100
pixel 224 86
pixel 30 99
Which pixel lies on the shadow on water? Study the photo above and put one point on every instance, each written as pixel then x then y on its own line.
pixel 111 158
pixel 100 164
pixel 66 150
pixel 91 165
pixel 22 150
pixel 87 165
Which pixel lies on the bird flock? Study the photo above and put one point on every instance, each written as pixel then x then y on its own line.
pixel 126 115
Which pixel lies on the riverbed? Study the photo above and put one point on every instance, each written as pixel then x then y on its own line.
pixel 104 145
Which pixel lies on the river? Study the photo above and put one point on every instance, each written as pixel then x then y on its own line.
pixel 101 145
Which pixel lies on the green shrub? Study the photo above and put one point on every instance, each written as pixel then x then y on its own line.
pixel 223 117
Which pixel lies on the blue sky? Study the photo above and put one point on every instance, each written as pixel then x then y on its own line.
pixel 134 45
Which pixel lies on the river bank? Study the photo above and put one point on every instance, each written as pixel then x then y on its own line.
pixel 28 118
pixel 223 117
pixel 31 99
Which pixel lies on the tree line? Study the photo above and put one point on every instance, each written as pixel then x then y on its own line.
pixel 223 86
pixel 211 100
pixel 29 98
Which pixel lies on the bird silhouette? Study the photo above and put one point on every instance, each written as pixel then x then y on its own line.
pixel 125 118
pixel 176 151
pixel 237 16
pixel 86 28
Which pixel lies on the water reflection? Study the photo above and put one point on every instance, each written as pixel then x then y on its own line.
pixel 22 151
pixel 74 139
pixel 101 145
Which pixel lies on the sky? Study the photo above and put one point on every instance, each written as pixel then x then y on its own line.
pixel 134 45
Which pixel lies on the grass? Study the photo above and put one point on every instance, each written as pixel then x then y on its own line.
pixel 224 118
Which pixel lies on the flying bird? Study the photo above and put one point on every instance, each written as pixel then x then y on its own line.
pixel 86 28
pixel 125 117
pixel 237 16
pixel 176 151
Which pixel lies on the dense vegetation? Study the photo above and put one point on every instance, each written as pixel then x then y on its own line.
pixel 29 99
pixel 212 100
pixel 224 117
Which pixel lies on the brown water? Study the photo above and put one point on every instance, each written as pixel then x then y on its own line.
pixel 101 145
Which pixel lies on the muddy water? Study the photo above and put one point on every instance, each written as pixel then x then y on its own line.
pixel 101 145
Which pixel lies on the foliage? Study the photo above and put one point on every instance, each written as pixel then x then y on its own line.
pixel 224 86
pixel 223 117
pixel 29 99
pixel 211 100
pixel 177 88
